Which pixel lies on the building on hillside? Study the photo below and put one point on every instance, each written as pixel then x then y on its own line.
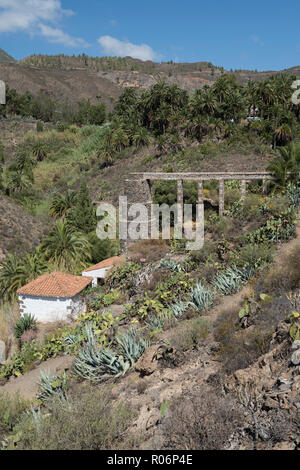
pixel 53 297
pixel 99 271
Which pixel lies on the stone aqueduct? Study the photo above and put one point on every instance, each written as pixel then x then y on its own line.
pixel 139 188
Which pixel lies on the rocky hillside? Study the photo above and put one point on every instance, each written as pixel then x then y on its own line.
pixel 73 78
pixel 19 232
pixel 4 57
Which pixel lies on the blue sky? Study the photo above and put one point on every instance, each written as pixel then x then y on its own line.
pixel 262 35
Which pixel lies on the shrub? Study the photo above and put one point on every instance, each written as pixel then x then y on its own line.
pixel 123 276
pixel 207 253
pixel 27 322
pixel 174 289
pixel 28 336
pixel 239 349
pixel 39 126
pixel 92 420
pixel 282 277
pixel 200 422
pixel 12 408
pixel 190 334
pixel 254 256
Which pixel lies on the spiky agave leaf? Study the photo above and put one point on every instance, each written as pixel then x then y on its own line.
pixel 96 363
pixel 52 385
pixel 230 281
pixel 202 297
pixel 132 345
pixel 179 308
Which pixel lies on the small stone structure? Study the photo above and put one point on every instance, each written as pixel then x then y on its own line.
pixel 53 297
pixel 99 271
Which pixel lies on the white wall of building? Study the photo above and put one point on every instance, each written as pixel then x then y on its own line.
pixel 97 274
pixel 51 309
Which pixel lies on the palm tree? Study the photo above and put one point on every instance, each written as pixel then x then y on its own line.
pixel 15 272
pixel 282 135
pixel 140 137
pixel 10 278
pixel 24 165
pixel 66 247
pixel 61 204
pixel 119 140
pixel 285 168
pixel 33 265
pixel 16 182
pixel 39 150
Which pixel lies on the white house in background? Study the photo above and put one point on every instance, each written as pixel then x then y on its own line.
pixel 53 297
pixel 99 271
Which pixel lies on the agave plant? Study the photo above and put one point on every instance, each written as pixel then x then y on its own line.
pixel 155 323
pixel 96 363
pixel 293 193
pixel 27 322
pixel 171 265
pixel 132 345
pixel 179 309
pixel 230 281
pixel 202 297
pixel 52 385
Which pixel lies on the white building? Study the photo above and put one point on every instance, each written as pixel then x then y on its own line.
pixel 99 271
pixel 53 297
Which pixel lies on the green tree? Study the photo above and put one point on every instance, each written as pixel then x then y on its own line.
pixel 285 167
pixel 62 204
pixel 66 247
pixel 83 214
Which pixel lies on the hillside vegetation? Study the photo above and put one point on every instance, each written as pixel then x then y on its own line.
pixel 170 351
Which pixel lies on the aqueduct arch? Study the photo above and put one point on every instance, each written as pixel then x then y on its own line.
pixel 139 189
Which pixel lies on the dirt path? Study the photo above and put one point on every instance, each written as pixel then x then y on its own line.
pixel 26 384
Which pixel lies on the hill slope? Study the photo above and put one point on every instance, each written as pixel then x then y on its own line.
pixel 74 78
pixel 4 57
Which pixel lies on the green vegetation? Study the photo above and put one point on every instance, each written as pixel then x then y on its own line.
pixel 91 420
pixel 27 322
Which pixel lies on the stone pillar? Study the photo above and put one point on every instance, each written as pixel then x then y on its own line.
pixel 243 190
pixel 264 185
pixel 137 191
pixel 179 222
pixel 200 192
pixel 221 197
pixel 179 192
pixel 150 190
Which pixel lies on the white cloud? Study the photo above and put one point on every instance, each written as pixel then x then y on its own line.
pixel 33 17
pixel 115 47
pixel 256 39
pixel 56 35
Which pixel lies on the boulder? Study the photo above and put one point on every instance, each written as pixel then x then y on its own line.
pixel 2 352
pixel 147 363
pixel 296 358
pixel 296 344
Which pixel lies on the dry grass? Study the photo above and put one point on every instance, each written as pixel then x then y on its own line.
pixel 151 250
pixel 9 314
pixel 282 276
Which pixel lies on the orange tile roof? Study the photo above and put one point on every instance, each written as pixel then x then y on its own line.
pixel 107 263
pixel 56 285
